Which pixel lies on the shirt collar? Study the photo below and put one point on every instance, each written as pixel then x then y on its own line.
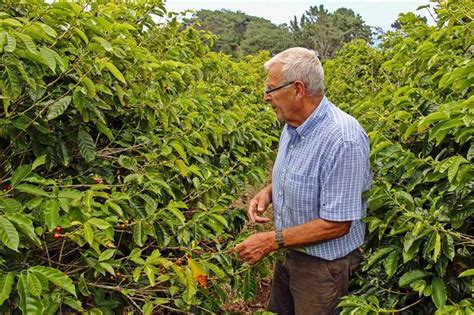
pixel 311 121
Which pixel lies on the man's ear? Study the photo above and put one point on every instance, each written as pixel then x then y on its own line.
pixel 300 89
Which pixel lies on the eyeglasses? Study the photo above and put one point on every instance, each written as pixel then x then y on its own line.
pixel 277 88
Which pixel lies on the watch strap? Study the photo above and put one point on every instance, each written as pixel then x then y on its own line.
pixel 279 238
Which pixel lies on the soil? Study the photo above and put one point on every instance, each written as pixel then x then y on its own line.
pixel 259 305
pixel 263 286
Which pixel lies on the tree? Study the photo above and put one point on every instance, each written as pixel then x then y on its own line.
pixel 327 32
pixel 263 35
pixel 242 34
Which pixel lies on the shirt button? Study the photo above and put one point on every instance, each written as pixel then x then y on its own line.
pixel 280 193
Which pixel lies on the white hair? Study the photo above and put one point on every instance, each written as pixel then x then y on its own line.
pixel 300 64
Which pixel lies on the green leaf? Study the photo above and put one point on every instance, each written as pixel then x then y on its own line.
pixel 58 107
pixel 467 273
pixel 81 34
pixel 99 223
pixel 250 286
pixel 86 145
pixel 10 205
pixel 419 286
pixel 12 83
pixel 32 190
pixel 148 308
pixel 453 168
pixel 114 207
pixel 88 233
pixel 33 284
pixel 57 277
pixel 82 284
pixel 377 256
pixel 183 169
pixel 11 22
pixel 29 304
pixel 437 246
pixel 40 160
pixel 431 118
pixel 191 287
pixel 48 29
pixel 90 86
pixel 75 304
pixel 107 267
pixel 438 294
pixel 22 172
pixel 195 170
pixel 127 162
pixel 470 153
pixel 117 74
pixel 64 153
pixel 390 263
pixel 11 43
pixel 138 233
pixel 440 131
pixel 180 150
pixel 406 199
pixel 411 276
pixel 217 271
pixel 448 246
pixel 6 284
pixel 30 45
pixel 48 58
pixel 104 44
pixel 102 127
pixel 150 273
pixel 106 255
pixel 2 39
pixel 61 61
pixel 177 213
pixel 24 225
pixel 8 234
pixel 50 213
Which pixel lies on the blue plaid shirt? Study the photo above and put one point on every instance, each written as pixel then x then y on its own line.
pixel 321 170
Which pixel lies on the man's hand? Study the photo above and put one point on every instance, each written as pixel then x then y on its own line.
pixel 259 204
pixel 257 246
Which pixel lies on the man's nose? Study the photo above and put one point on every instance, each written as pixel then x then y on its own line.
pixel 267 97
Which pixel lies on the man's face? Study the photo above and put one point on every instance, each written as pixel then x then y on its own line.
pixel 282 100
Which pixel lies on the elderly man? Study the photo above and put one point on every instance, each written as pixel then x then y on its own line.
pixel 320 173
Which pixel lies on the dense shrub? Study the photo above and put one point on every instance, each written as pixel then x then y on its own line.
pixel 124 140
pixel 414 95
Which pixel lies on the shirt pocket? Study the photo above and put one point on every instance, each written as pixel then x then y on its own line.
pixel 302 194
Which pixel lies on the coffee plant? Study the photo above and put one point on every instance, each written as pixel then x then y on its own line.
pixel 124 143
pixel 414 96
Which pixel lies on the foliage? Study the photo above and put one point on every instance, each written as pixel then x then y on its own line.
pixel 242 34
pixel 414 96
pixel 123 141
pixel 327 32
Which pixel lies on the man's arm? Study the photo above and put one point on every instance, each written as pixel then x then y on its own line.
pixel 257 246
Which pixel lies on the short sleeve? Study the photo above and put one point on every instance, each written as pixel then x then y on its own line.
pixel 343 183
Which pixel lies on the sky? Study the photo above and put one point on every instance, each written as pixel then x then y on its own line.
pixel 374 12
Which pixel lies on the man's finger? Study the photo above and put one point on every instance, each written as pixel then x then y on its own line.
pixel 238 248
pixel 251 211
pixel 252 261
pixel 260 219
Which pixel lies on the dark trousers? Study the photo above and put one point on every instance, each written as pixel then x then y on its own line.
pixel 304 284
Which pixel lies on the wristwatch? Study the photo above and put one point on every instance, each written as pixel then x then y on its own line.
pixel 279 239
